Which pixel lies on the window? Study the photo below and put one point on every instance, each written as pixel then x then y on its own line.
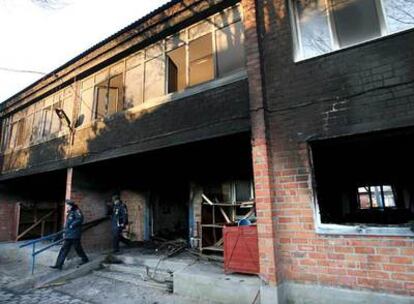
pixel 86 106
pixel 47 120
pixel 324 25
pixel 134 81
pixel 243 190
pixel 230 50
pixel 195 55
pixel 365 179
pixel 5 133
pixel 56 124
pixel 381 196
pixel 177 67
pixel 154 78
pixel 109 96
pixel 201 60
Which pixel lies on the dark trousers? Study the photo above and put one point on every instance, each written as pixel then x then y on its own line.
pixel 67 244
pixel 117 237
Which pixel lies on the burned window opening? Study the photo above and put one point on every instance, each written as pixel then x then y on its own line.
pixel 365 179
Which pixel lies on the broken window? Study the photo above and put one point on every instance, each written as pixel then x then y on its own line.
pixel 323 25
pixel 201 60
pixel 365 179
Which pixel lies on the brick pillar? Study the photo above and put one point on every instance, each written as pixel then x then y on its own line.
pixel 260 149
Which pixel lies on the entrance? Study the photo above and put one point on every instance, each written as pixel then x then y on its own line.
pixel 169 210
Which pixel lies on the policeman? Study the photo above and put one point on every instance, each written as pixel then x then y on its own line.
pixel 72 235
pixel 119 222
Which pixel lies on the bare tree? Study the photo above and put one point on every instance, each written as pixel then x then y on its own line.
pixel 50 4
pixel 45 4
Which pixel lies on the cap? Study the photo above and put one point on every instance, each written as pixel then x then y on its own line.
pixel 69 202
pixel 115 198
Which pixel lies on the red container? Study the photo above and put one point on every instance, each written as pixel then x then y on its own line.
pixel 241 252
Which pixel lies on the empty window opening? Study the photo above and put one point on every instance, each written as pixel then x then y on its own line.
pixel 177 70
pixel 365 179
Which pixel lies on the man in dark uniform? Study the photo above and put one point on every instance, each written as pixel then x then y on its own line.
pixel 72 235
pixel 119 222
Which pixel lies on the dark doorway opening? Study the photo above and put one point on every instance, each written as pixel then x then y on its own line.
pixel 169 210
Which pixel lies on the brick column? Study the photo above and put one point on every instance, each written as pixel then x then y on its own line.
pixel 260 149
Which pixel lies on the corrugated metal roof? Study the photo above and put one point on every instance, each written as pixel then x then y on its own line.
pixel 95 47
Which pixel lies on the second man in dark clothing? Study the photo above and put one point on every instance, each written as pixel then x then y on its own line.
pixel 119 222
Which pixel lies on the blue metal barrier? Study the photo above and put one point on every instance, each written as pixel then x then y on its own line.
pixel 45 238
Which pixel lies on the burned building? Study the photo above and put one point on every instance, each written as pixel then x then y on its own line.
pixel 285 103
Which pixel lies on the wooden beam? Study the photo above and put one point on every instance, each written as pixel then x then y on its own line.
pixel 207 200
pixel 225 216
pixel 34 225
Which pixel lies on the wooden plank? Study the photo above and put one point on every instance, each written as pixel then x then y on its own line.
pixel 249 214
pixel 207 199
pixel 225 216
pixel 34 225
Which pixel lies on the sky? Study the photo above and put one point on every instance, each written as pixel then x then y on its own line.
pixel 38 39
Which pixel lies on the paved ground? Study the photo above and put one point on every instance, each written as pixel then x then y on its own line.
pixel 89 289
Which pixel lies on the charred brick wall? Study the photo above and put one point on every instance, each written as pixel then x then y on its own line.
pixel 92 198
pixel 357 90
pixel 8 215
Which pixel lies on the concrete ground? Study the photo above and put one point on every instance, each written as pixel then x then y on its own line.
pixel 89 289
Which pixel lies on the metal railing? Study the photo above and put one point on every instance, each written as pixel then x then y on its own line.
pixel 45 238
pixel 57 238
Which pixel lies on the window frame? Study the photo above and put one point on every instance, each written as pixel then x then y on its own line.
pixel 296 31
pixel 339 229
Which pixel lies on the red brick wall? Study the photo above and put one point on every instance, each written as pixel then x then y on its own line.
pixel 260 150
pixel 373 262
pixel 299 101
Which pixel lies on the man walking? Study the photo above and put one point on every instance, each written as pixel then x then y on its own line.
pixel 119 222
pixel 72 235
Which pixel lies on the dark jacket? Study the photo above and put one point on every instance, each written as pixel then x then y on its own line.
pixel 119 216
pixel 74 221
